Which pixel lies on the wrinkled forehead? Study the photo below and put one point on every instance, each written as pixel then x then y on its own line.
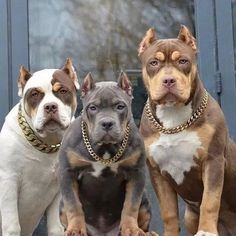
pixel 106 94
pixel 40 79
pixel 165 48
pixel 45 79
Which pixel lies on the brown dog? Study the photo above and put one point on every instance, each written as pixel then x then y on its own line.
pixel 186 139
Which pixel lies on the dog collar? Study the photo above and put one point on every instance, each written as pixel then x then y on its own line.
pixel 95 156
pixel 181 127
pixel 32 138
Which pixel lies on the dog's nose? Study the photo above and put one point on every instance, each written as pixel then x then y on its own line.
pixel 169 82
pixel 107 125
pixel 50 107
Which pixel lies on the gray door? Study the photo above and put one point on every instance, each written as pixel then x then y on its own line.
pixel 102 37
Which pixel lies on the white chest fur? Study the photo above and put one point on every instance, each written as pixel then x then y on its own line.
pixel 174 153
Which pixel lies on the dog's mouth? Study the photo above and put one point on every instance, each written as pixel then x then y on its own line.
pixel 108 139
pixel 51 125
pixel 169 98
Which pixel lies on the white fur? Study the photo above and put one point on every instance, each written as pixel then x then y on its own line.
pixel 40 79
pixel 202 233
pixel 98 167
pixel 174 153
pixel 28 177
pixel 172 116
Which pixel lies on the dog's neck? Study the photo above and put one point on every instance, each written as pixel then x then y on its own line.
pixel 173 116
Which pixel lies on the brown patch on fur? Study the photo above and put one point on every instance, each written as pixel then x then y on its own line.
pixel 24 76
pixel 56 86
pixel 131 160
pixel 74 213
pixel 191 220
pixel 148 39
pixel 129 215
pixel 165 194
pixel 144 218
pixel 31 101
pixel 205 134
pixel 186 36
pixel 175 55
pixel 68 97
pixel 63 217
pixel 76 161
pixel 160 56
pixel 69 69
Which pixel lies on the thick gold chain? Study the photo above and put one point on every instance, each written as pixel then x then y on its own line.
pixel 95 156
pixel 181 127
pixel 32 138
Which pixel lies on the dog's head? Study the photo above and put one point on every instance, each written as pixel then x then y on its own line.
pixel 49 98
pixel 106 109
pixel 169 67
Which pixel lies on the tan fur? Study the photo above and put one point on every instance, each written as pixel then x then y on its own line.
pixel 160 56
pixel 129 215
pixel 211 178
pixel 175 55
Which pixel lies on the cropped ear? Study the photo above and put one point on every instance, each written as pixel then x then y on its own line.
pixel 148 39
pixel 87 85
pixel 24 76
pixel 125 84
pixel 186 36
pixel 69 69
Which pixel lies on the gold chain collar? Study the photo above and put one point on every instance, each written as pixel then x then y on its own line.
pixel 32 138
pixel 95 156
pixel 181 127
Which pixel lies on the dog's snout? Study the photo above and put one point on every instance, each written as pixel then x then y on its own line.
pixel 169 82
pixel 51 107
pixel 107 125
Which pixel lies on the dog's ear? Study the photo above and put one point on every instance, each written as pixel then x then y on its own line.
pixel 87 85
pixel 125 84
pixel 24 75
pixel 186 36
pixel 148 39
pixel 69 69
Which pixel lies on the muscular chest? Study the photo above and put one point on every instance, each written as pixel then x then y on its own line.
pixel 176 154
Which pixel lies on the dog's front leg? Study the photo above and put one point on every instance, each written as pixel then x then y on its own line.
pixel 54 226
pixel 133 197
pixel 76 225
pixel 168 201
pixel 9 207
pixel 213 179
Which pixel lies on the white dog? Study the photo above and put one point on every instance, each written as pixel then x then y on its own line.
pixel 30 138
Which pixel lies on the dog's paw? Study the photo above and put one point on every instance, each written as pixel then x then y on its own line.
pixel 72 232
pixel 132 230
pixel 151 234
pixel 202 233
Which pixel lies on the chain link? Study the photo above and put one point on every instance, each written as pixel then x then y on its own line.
pixel 95 156
pixel 181 127
pixel 32 137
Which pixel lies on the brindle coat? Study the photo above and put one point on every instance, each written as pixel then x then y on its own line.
pixel 201 168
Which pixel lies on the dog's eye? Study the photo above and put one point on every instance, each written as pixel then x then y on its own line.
pixel 63 91
pixel 34 94
pixel 92 108
pixel 154 63
pixel 183 61
pixel 120 107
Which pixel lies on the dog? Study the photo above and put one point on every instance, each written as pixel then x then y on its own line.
pixel 102 165
pixel 30 138
pixel 186 138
